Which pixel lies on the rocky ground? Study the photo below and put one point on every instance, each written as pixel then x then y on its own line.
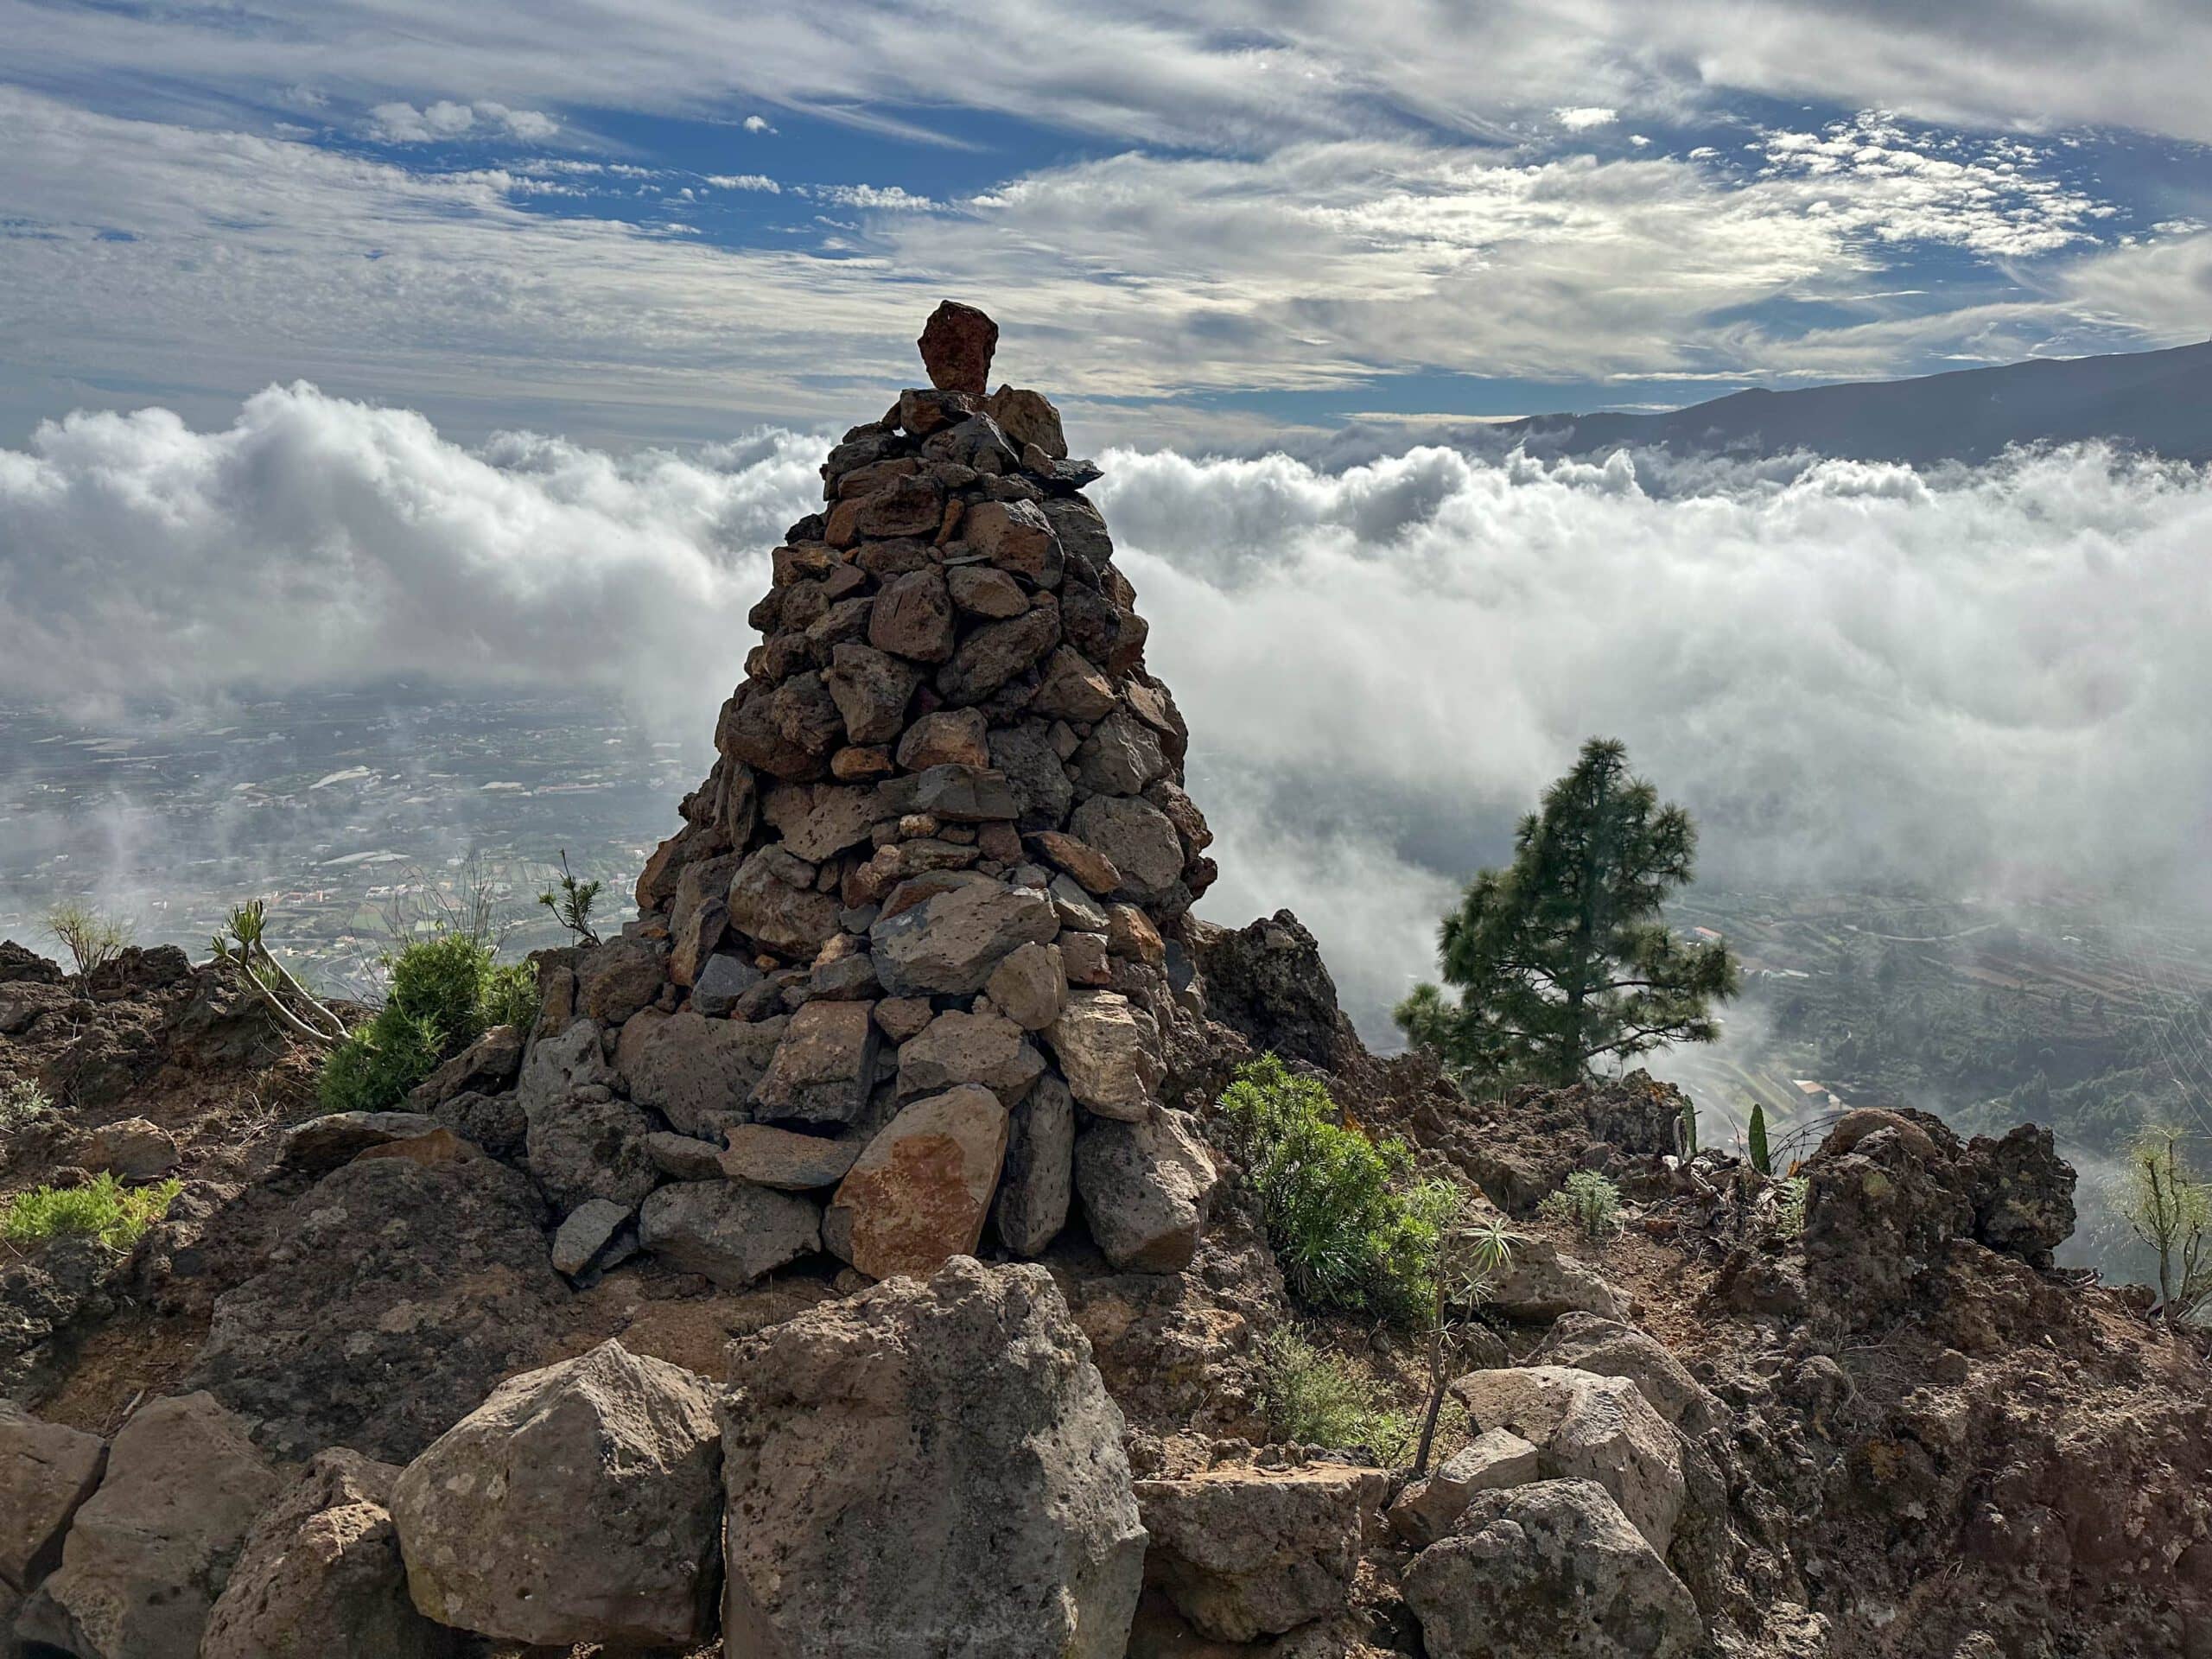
pixel 848 1260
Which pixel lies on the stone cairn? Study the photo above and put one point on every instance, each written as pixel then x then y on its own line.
pixel 900 977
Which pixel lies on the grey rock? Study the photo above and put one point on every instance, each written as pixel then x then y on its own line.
pixel 823 1068
pixel 1038 1178
pixel 1541 1284
pixel 1146 1189
pixel 722 981
pixel 151 1549
pixel 727 1230
pixel 1140 839
pixel 320 1576
pixel 589 1145
pixel 1120 757
pixel 1589 1427
pixel 959 1047
pixel 1030 985
pixel 495 1122
pixel 699 1073
pixel 951 942
pixel 785 1160
pixel 1496 1459
pixel 897 1487
pixel 952 792
pixel 595 1236
pixel 400 1293
pixel 1042 793
pixel 1549 1568
pixel 47 1472
pixel 871 689
pixel 685 1157
pixel 580 1503
pixel 993 653
pixel 1589 1342
pixel 1077 910
pixel 1244 1551
pixel 559 1064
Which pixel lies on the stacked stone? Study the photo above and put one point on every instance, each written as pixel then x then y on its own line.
pixel 900 977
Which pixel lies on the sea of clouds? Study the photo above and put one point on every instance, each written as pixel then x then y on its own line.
pixel 1983 679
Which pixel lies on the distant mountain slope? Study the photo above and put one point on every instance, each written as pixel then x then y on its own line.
pixel 2157 402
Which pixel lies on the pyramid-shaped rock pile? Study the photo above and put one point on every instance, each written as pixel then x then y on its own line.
pixel 900 978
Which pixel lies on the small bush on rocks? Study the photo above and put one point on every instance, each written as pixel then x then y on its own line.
pixel 1588 1200
pixel 103 1208
pixel 1350 1228
pixel 446 992
pixel 21 1100
pixel 1312 1397
pixel 510 996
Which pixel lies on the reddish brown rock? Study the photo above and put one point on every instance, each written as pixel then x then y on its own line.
pixel 1089 867
pixel 919 1195
pixel 982 591
pixel 912 617
pixel 956 737
pixel 1028 417
pixel 1014 536
pixel 957 345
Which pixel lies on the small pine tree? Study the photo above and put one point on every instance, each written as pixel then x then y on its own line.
pixel 1560 959
pixel 1761 1161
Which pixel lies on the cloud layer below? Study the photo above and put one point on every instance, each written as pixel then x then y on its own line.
pixel 1980 678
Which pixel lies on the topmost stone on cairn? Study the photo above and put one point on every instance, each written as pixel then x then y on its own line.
pixel 957 345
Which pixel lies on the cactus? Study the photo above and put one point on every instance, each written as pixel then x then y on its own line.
pixel 1689 1128
pixel 1760 1159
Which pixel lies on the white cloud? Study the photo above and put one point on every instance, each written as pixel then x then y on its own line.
pixel 758 123
pixel 445 119
pixel 759 181
pixel 1584 117
pixel 878 198
pixel 1982 677
pixel 317 540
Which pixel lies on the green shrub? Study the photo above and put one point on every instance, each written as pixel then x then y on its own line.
pixel 373 1068
pixel 1590 1202
pixel 446 992
pixel 93 938
pixel 1350 1226
pixel 103 1209
pixel 442 981
pixel 510 996
pixel 21 1100
pixel 1311 1396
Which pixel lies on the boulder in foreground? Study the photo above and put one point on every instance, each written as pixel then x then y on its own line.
pixel 929 1468
pixel 151 1550
pixel 1549 1568
pixel 580 1503
pixel 320 1576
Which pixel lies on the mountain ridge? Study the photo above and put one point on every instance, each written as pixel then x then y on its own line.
pixel 2158 403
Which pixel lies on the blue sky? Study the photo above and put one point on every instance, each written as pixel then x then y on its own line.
pixel 1201 225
